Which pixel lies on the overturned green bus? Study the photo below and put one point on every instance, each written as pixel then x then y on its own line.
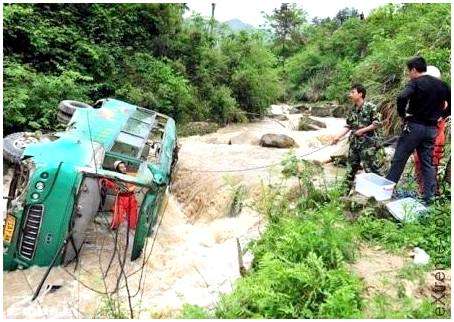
pixel 55 192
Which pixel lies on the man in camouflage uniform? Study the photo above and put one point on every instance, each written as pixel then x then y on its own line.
pixel 363 121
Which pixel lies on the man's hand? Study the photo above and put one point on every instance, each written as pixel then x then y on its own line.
pixel 340 135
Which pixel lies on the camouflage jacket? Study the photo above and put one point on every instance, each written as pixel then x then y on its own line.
pixel 367 115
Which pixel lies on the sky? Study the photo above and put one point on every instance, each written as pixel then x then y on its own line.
pixel 250 11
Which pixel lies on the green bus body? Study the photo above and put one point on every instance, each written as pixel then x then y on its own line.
pixel 69 169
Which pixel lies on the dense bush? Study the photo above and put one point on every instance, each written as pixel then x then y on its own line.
pixel 30 98
pixel 299 267
pixel 306 289
pixel 256 81
pixel 153 84
pixel 146 54
pixel 224 105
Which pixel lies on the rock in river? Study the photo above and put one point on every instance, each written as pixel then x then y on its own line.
pixel 277 141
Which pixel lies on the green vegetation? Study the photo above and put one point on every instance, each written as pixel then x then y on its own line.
pixel 196 71
pixel 299 271
pixel 111 308
pixel 197 128
pixel 382 306
pixel 143 53
pixel 194 312
pixel 412 272
pixel 431 232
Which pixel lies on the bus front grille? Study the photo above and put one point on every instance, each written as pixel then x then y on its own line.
pixel 31 231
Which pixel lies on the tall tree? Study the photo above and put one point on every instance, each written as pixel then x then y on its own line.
pixel 286 25
pixel 212 20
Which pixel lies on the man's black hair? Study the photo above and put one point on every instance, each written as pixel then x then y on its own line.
pixel 360 89
pixel 417 63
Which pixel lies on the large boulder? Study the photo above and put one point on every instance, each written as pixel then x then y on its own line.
pixel 277 141
pixel 318 123
pixel 302 126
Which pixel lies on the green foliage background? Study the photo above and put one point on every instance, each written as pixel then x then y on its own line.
pixel 146 54
pixel 195 69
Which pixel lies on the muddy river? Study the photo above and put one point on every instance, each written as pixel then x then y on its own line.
pixel 194 256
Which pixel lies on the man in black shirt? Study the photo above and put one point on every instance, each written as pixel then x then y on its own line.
pixel 426 96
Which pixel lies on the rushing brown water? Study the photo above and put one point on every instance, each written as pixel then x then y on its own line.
pixel 194 258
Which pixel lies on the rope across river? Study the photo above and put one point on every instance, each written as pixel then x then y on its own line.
pixel 255 167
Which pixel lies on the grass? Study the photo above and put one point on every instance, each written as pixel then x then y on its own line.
pixel 282 289
pixel 190 311
pixel 431 232
pixel 413 272
pixel 382 306
pixel 111 308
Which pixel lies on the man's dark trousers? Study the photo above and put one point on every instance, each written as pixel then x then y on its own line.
pixel 420 137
